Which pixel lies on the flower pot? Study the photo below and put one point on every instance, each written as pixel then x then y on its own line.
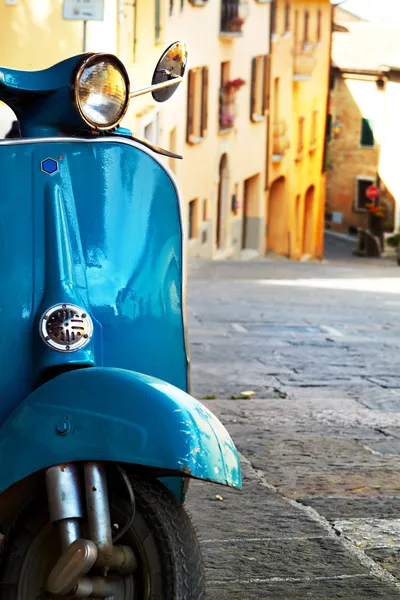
pixel 235 26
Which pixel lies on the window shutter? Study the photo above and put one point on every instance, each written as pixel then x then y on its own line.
pixel 266 89
pixel 253 88
pixel 367 134
pixel 190 106
pixel 157 20
pixel 306 27
pixel 273 16
pixel 329 127
pixel 204 102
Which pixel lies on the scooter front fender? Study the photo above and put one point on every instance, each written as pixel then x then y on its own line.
pixel 109 414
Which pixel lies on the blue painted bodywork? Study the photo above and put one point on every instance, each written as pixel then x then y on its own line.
pixel 121 416
pixel 103 232
pixel 96 223
pixel 42 100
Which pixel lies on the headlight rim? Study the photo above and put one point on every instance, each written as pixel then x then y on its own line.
pixel 87 61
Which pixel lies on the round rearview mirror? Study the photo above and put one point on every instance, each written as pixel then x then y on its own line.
pixel 171 64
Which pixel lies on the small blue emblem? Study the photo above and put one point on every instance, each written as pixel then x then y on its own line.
pixel 49 166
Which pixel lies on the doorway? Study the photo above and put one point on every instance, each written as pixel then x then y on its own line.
pixel 308 228
pixel 251 196
pixel 223 200
pixel 277 233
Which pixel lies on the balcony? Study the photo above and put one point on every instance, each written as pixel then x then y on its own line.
pixel 304 61
pixel 233 15
pixel 280 141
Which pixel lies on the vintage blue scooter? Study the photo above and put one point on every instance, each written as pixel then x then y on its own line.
pixel 98 435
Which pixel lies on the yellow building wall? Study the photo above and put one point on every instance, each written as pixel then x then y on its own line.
pixel 296 194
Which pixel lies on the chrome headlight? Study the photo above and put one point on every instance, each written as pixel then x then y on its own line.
pixel 101 91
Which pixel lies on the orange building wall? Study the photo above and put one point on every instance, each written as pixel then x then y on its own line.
pixel 294 204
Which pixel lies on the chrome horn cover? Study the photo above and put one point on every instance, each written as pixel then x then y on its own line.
pixel 66 327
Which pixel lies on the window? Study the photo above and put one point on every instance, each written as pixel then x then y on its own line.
pixel 314 124
pixel 193 219
pixel 197 107
pixel 367 134
pixel 226 99
pixel 148 124
pixel 362 184
pixel 306 36
pixel 151 131
pixel 273 16
pixel 300 138
pixel 230 17
pixel 287 16
pixel 319 25
pixel 260 89
pixel 158 20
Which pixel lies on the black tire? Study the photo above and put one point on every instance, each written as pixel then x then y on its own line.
pixel 163 538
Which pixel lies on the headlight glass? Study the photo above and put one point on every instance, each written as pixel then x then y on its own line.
pixel 102 93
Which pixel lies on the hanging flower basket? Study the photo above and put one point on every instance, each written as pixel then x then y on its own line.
pixel 233 85
pixel 235 24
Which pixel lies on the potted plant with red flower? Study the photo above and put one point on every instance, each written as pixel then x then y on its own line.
pixel 235 24
pixel 234 85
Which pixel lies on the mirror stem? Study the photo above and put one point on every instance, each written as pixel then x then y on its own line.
pixel 157 86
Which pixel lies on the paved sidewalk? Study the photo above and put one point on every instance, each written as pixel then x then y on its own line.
pixel 320 440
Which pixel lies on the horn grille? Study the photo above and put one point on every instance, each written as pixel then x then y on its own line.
pixel 66 328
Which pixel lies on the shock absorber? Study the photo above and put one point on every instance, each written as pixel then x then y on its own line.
pixel 79 555
pixel 64 499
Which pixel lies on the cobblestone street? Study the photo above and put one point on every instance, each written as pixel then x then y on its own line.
pixel 319 515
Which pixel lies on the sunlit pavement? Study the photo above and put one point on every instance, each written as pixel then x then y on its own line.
pixel 319 516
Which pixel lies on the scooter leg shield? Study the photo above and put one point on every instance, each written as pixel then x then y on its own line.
pixel 106 414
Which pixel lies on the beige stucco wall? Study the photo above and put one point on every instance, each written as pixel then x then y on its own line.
pixel 389 163
pixel 245 145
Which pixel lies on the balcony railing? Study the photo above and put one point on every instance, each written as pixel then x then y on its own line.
pixel 304 61
pixel 233 14
pixel 280 140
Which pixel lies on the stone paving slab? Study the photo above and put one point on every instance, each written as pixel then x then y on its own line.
pixel 371 532
pixel 387 558
pixel 358 588
pixel 336 507
pixel 280 558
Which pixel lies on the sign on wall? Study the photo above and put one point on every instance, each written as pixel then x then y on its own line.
pixel 83 10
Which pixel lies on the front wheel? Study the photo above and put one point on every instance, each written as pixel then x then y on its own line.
pixel 161 536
